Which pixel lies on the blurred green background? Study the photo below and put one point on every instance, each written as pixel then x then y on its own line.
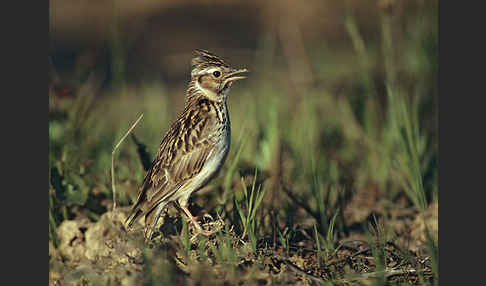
pixel 339 113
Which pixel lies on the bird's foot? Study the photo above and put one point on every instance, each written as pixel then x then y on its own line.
pixel 208 217
pixel 215 227
pixel 203 232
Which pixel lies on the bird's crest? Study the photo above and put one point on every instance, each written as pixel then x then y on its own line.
pixel 203 59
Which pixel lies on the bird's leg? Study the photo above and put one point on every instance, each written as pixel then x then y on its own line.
pixel 198 227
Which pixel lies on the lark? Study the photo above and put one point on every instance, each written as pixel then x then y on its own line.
pixel 194 149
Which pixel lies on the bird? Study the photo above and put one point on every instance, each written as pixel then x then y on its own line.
pixel 194 148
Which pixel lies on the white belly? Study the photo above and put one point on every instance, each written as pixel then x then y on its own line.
pixel 210 168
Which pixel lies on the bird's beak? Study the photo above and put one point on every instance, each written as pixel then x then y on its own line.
pixel 236 75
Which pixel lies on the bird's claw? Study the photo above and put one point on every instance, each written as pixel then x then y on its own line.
pixel 201 231
pixel 206 215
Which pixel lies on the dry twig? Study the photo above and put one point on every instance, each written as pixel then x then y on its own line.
pixel 113 160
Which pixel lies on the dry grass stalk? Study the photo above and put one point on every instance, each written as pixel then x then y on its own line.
pixel 113 160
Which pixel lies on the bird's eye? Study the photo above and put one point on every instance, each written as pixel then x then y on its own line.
pixel 216 74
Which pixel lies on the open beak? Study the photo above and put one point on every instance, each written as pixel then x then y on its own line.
pixel 236 75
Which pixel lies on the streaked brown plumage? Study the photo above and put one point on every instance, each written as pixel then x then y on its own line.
pixel 194 148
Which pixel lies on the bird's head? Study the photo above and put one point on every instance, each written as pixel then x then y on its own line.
pixel 212 76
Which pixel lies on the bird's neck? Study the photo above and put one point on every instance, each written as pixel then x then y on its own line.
pixel 195 93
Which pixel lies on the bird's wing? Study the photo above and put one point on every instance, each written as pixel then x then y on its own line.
pixel 183 168
pixel 182 154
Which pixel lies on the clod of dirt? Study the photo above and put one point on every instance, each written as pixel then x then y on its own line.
pixel 108 239
pixel 84 273
pixel 71 234
pixel 101 252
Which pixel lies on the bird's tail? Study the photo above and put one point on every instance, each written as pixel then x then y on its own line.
pixel 132 218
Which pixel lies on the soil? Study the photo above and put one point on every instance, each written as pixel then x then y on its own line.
pixel 104 253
